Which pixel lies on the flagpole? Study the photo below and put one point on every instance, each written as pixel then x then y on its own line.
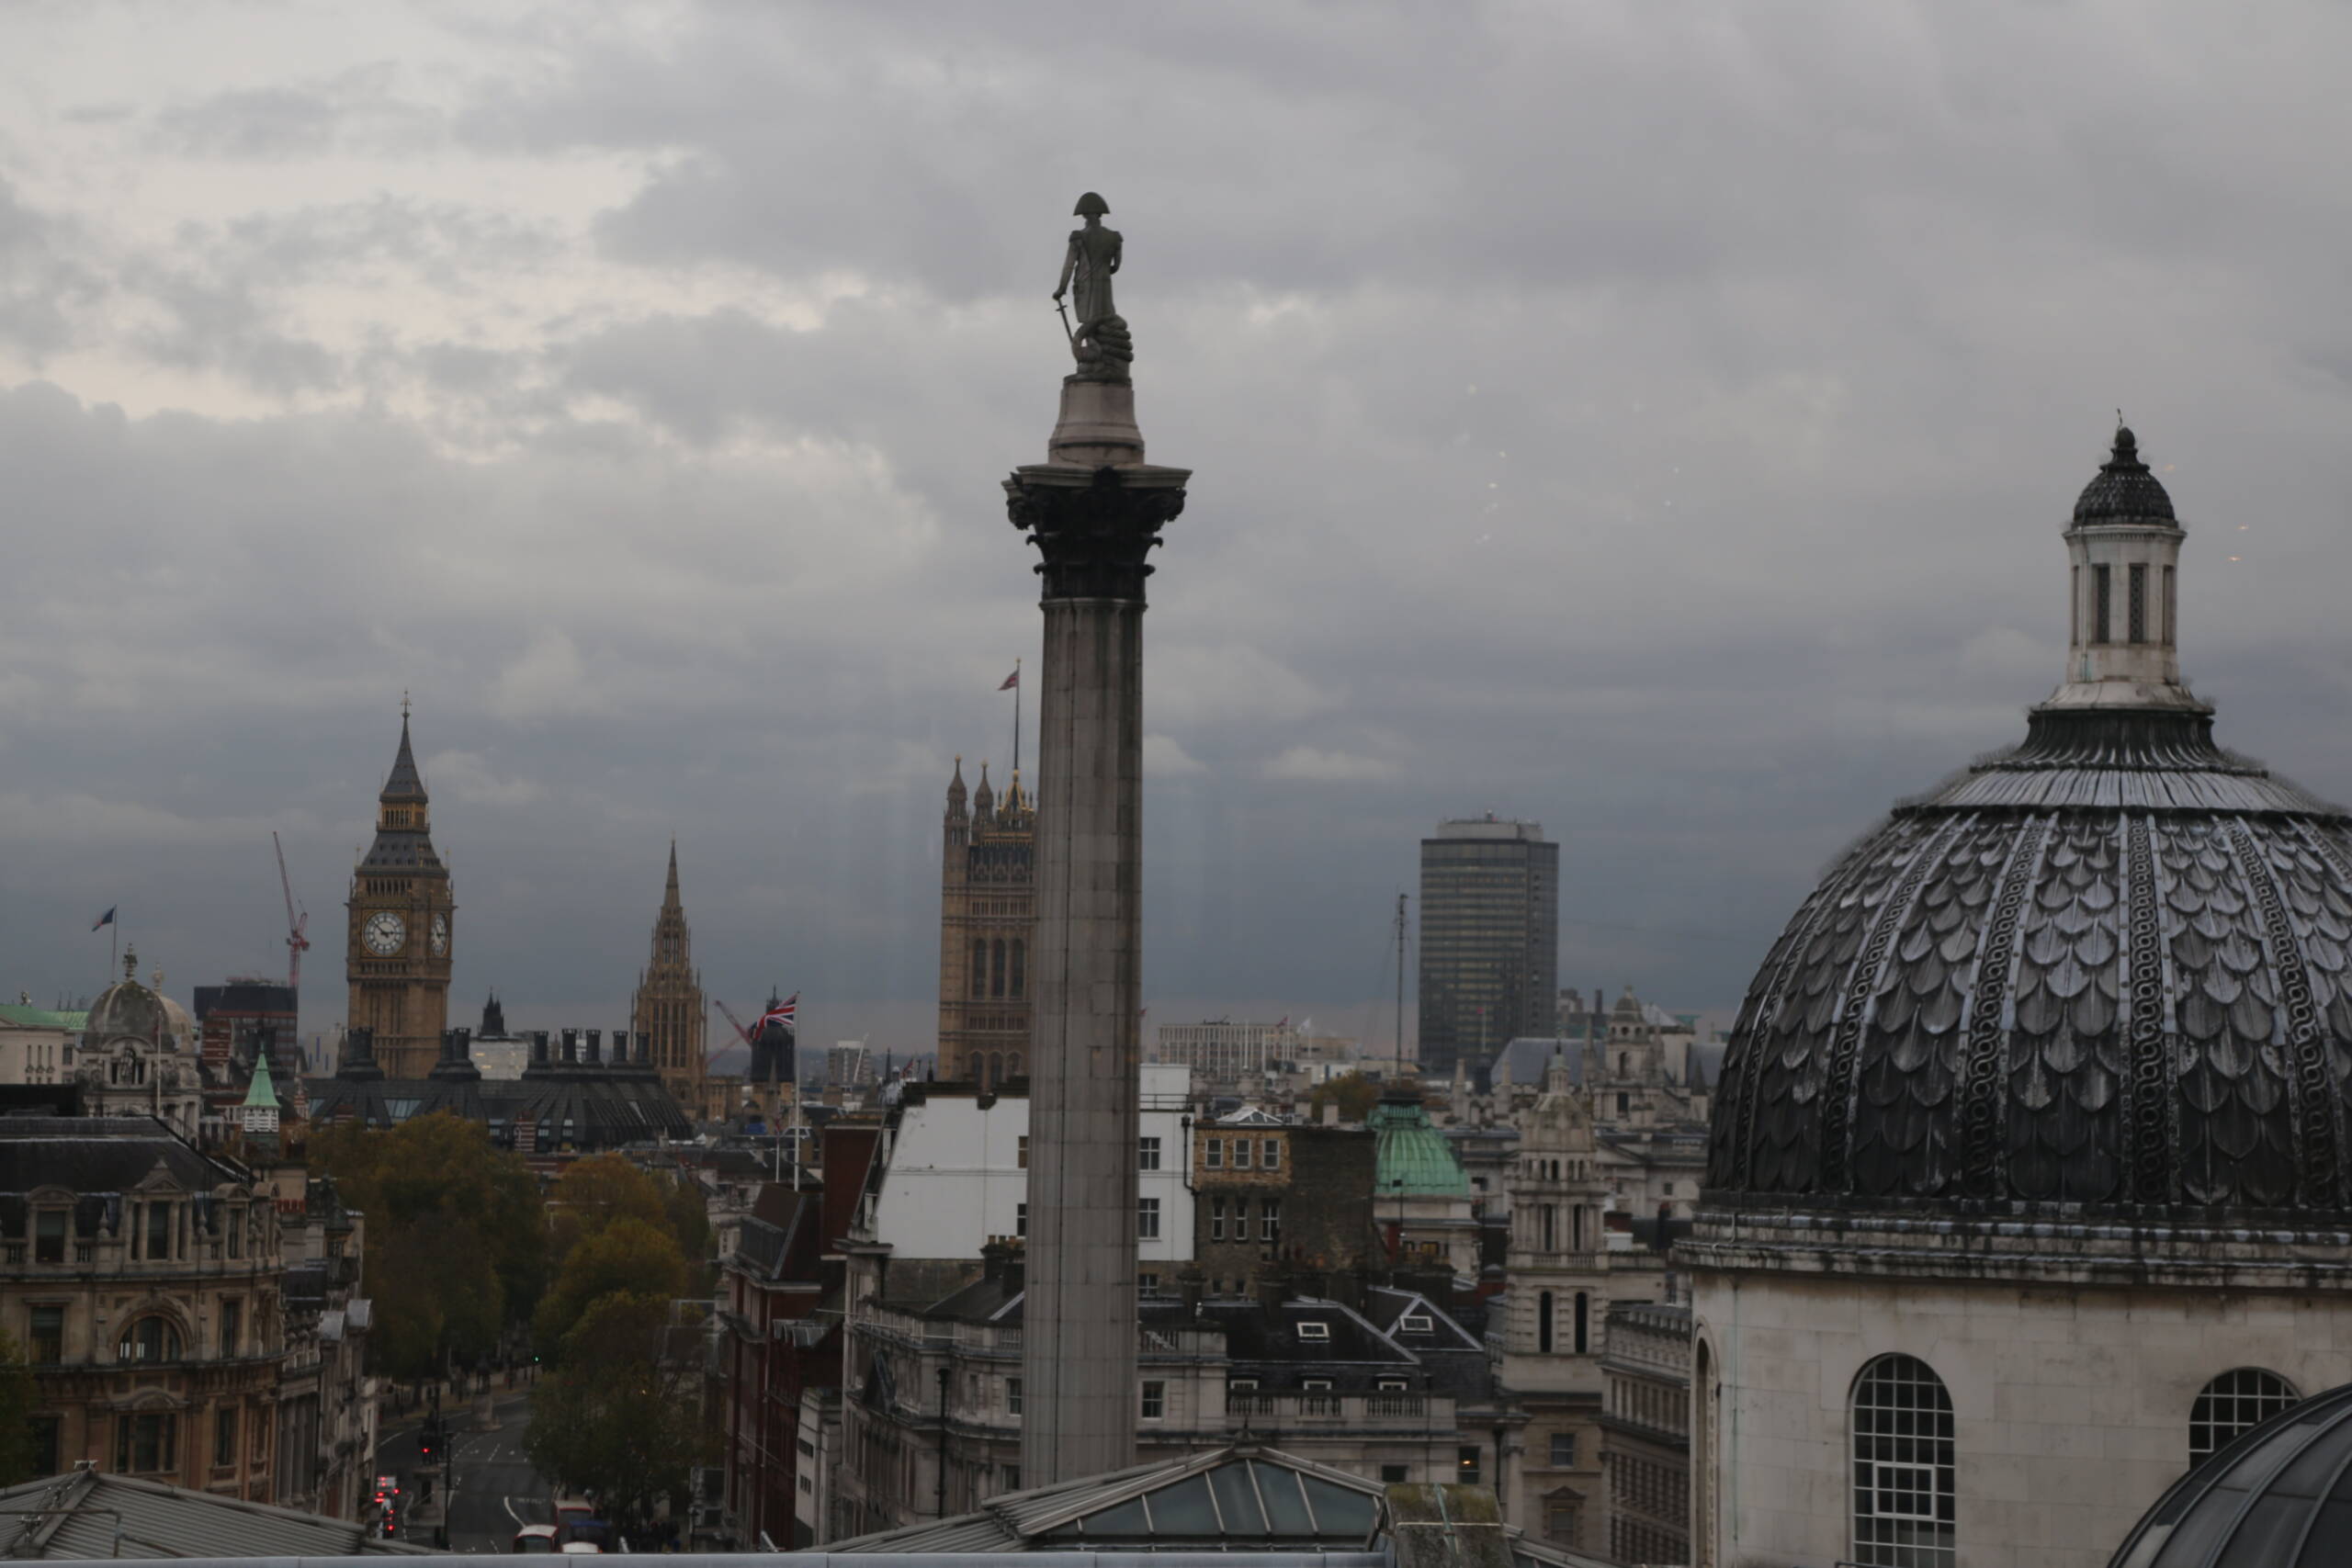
pixel 1016 718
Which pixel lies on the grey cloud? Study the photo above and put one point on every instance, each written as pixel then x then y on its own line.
pixel 1657 424
pixel 353 110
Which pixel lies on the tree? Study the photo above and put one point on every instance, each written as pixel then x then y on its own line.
pixel 1356 1095
pixel 617 1419
pixel 18 1396
pixel 457 1236
pixel 627 1258
pixel 594 1192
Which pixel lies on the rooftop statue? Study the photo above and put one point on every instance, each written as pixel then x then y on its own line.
pixel 1099 337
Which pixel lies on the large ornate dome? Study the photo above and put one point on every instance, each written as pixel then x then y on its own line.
pixel 2106 968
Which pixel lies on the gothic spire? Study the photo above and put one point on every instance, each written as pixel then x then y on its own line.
pixel 405 784
pixel 670 893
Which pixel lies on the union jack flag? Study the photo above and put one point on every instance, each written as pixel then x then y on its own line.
pixel 781 1012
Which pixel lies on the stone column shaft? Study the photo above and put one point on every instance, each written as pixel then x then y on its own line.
pixel 1079 1327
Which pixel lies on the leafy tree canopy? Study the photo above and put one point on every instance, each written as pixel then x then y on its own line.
pixel 1356 1095
pixel 456 1238
pixel 616 1419
pixel 627 1258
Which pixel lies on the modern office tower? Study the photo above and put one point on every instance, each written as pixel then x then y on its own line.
pixel 1490 939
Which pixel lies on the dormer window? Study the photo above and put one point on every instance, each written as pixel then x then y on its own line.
pixel 1415 1323
pixel 1313 1329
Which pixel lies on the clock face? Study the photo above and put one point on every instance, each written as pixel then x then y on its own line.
pixel 440 936
pixel 383 933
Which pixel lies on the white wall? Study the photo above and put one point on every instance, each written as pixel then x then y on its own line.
pixel 954 1176
pixel 2070 1405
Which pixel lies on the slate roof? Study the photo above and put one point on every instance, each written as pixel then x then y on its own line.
pixel 102 1153
pixel 83 1515
pixel 608 1106
pixel 2112 967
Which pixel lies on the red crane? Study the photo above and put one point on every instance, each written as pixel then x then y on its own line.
pixel 296 924
pixel 744 1033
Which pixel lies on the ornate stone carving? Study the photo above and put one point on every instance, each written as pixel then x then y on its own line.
pixel 1094 535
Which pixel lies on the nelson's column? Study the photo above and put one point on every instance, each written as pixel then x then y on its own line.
pixel 1094 508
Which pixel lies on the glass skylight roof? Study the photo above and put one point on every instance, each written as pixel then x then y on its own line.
pixel 1238 1500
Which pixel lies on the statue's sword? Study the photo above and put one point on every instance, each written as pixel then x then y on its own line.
pixel 1064 311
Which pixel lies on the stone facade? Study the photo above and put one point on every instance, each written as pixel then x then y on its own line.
pixel 670 1010
pixel 144 1280
pixel 988 929
pixel 2072 1402
pixel 1646 1432
pixel 1302 1202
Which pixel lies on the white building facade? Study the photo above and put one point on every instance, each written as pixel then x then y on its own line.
pixel 957 1174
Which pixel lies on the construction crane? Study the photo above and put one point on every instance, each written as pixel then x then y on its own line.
pixel 296 923
pixel 744 1033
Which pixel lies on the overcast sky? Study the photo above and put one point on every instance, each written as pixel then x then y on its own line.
pixel 1653 418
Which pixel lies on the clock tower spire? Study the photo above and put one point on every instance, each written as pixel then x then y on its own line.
pixel 397 948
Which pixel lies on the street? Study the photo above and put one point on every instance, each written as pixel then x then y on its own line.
pixel 496 1492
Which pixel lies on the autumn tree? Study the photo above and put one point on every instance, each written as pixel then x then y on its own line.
pixel 617 1419
pixel 594 1192
pixel 457 1240
pixel 1355 1093
pixel 628 1257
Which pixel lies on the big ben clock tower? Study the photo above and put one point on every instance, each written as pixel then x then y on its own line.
pixel 397 948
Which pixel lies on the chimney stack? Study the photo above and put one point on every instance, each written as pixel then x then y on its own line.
pixel 538 1047
pixel 596 1057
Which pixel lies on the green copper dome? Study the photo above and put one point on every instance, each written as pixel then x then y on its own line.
pixel 1416 1159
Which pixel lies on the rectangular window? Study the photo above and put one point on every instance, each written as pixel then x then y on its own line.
pixel 2101 598
pixel 1274 1155
pixel 147 1443
pixel 1147 1219
pixel 48 1335
pixel 1217 1219
pixel 1391 1385
pixel 1415 1323
pixel 49 1432
pixel 49 1236
pixel 235 1227
pixel 1012 1396
pixel 1395 1475
pixel 1020 1156
pixel 1465 1466
pixel 233 1326
pixel 1155 1399
pixel 2075 604
pixel 1213 1153
pixel 1269 1223
pixel 1241 1385
pixel 2136 602
pixel 1147 1283
pixel 224 1436
pixel 1315 1329
pixel 1240 1154
pixel 1315 1385
pixel 159 1232
pixel 1021 1219
pixel 1564 1449
pixel 1012 1478
pixel 2171 628
pixel 1148 1154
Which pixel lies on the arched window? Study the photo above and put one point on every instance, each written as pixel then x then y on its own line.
pixel 979 966
pixel 2233 1403
pixel 1543 1323
pixel 150 1339
pixel 1903 1490
pixel 1583 1324
pixel 996 968
pixel 1020 967
pixel 1013 1066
